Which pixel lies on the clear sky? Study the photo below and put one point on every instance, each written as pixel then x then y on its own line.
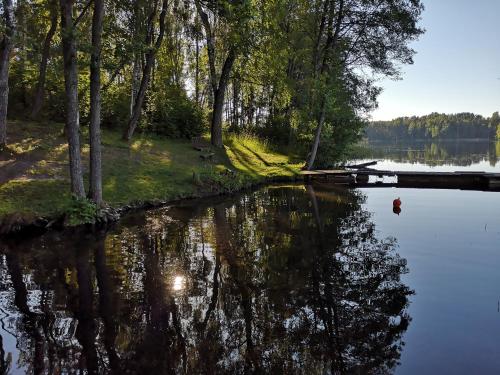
pixel 457 65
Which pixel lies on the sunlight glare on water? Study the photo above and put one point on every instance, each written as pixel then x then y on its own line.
pixel 178 283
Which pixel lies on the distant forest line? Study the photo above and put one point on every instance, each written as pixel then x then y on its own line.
pixel 434 152
pixel 436 126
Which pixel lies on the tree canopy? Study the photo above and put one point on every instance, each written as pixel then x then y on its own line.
pixel 300 73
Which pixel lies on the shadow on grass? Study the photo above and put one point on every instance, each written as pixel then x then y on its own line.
pixel 282 165
pixel 149 169
pixel 30 144
pixel 257 155
pixel 253 163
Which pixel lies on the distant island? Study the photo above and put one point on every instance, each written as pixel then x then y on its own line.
pixel 436 126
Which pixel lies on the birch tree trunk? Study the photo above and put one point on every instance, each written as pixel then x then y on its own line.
pixel 136 81
pixel 146 75
pixel 42 74
pixel 71 89
pixel 5 48
pixel 95 192
pixel 197 72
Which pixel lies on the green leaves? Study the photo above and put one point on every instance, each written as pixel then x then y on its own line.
pixel 80 211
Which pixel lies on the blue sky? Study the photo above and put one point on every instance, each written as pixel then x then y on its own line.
pixel 457 65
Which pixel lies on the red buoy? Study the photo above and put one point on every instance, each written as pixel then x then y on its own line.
pixel 396 202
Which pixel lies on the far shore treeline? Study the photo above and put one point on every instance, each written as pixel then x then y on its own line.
pixel 436 126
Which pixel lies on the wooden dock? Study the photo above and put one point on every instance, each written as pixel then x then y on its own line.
pixel 435 180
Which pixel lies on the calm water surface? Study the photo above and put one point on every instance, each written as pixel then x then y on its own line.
pixel 444 156
pixel 286 279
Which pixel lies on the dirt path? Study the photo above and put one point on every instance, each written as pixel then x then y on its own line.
pixel 14 169
pixel 28 158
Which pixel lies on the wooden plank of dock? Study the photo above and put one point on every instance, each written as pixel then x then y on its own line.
pixel 453 180
pixel 325 172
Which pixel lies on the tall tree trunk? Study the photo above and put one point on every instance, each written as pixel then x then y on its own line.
pixel 71 88
pixel 218 88
pixel 219 94
pixel 236 102
pixel 146 75
pixel 136 67
pixel 95 192
pixel 210 45
pixel 317 137
pixel 139 100
pixel 42 74
pixel 197 71
pixel 5 48
pixel 316 50
pixel 21 50
pixel 330 45
pixel 251 106
pixel 136 82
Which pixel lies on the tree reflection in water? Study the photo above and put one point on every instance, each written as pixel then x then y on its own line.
pixel 459 152
pixel 283 280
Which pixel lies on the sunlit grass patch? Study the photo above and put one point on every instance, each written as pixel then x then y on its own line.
pixel 150 168
pixel 38 197
pixel 48 168
pixel 253 156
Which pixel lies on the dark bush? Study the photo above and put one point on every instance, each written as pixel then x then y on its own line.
pixel 277 130
pixel 175 115
pixel 115 108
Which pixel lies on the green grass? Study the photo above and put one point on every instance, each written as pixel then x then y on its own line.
pixel 150 168
pixel 256 159
pixel 34 197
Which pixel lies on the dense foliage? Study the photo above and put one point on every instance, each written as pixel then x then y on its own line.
pixel 436 125
pixel 299 73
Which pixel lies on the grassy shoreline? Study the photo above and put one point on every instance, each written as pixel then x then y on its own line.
pixel 150 170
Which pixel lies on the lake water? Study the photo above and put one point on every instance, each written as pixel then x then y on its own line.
pixel 442 156
pixel 285 279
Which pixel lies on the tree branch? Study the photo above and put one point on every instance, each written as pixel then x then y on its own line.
pixel 210 44
pixel 114 75
pixel 82 14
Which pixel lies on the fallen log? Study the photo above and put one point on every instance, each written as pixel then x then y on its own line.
pixel 200 144
pixel 360 166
